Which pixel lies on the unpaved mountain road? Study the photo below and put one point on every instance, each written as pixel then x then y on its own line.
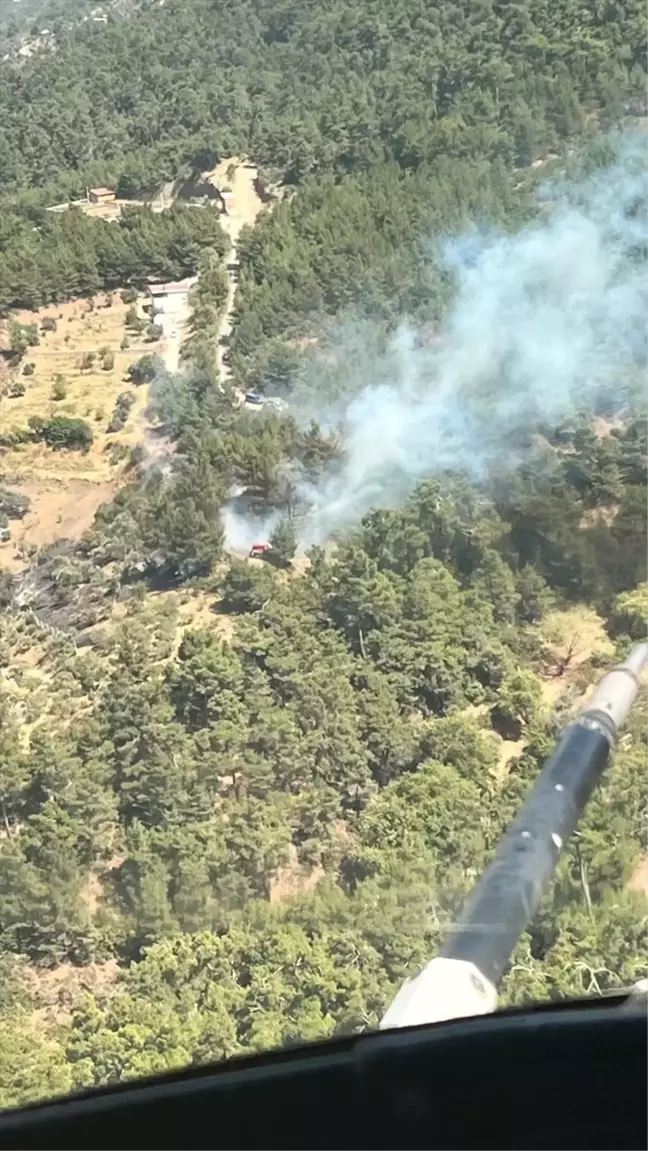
pixel 244 205
pixel 175 325
pixel 236 179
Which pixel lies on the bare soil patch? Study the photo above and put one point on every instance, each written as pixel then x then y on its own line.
pixel 84 356
pixel 294 879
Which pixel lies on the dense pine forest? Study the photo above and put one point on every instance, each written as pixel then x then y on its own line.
pixel 241 801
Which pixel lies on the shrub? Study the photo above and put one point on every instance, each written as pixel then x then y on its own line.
pixel 133 321
pixel 21 337
pixel 62 432
pixel 28 369
pixel 15 436
pixel 121 412
pixel 108 362
pixel 143 370
pixel 283 542
pixel 48 324
pixel 129 295
pixel 13 505
pixel 6 588
pixel 59 388
pixel 246 589
pixel 137 456
pixel 119 453
pixel 16 388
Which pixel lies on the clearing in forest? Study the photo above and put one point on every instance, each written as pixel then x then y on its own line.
pixel 84 363
pixel 571 637
pixel 195 609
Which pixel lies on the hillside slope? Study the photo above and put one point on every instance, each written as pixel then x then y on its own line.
pixel 310 90
pixel 241 800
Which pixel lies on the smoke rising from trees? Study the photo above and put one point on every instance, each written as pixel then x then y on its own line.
pixel 545 322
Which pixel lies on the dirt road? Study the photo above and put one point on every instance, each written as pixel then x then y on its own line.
pixel 236 179
pixel 174 320
pixel 239 177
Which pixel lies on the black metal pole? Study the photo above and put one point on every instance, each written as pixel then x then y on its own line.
pixel 463 978
pixel 506 897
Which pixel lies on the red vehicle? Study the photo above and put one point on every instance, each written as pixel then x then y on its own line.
pixel 258 551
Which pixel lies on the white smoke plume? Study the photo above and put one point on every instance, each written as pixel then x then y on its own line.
pixel 241 526
pixel 158 451
pixel 545 322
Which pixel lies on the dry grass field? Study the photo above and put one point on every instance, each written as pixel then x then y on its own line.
pixel 67 487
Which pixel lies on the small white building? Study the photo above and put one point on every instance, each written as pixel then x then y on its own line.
pixel 101 195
